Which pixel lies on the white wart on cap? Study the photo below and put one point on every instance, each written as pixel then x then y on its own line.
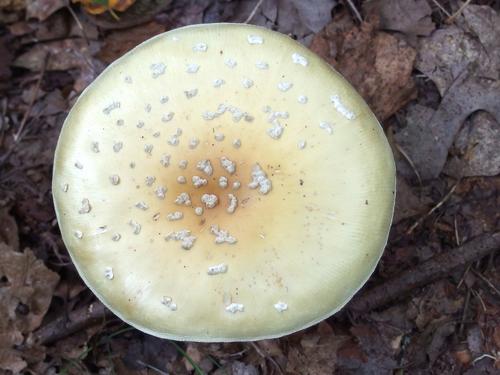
pixel 290 208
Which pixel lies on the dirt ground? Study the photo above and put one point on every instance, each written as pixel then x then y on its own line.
pixel 430 70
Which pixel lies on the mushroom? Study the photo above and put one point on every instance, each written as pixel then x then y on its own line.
pixel 298 223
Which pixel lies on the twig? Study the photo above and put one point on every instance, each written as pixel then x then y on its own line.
pixel 151 367
pixel 431 211
pixel 486 355
pixel 254 10
pixel 78 320
pixel 355 11
pixel 78 23
pixel 457 236
pixel 438 4
pixel 488 282
pixel 264 356
pixel 426 272
pixel 457 13
pixel 476 294
pixel 464 313
pixel 17 136
pixel 408 159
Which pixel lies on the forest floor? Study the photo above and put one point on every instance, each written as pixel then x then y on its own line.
pixel 430 70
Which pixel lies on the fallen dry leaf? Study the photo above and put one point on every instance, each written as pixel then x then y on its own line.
pixel 295 17
pixel 5 60
pixel 427 144
pixel 239 368
pixel 12 5
pixel 371 354
pixel 445 56
pixel 317 353
pixel 119 42
pixel 54 28
pixel 476 148
pixel 303 19
pixel 465 69
pixel 43 9
pixel 376 63
pixel 408 201
pixel 411 17
pixel 25 294
pixel 64 55
pixel 8 230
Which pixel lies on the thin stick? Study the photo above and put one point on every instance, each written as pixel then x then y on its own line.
pixel 408 159
pixel 457 13
pixel 476 294
pixel 439 204
pixel 438 4
pixel 426 272
pixel 271 359
pixel 17 136
pixel 488 282
pixel 254 10
pixel 486 355
pixel 464 313
pixel 78 23
pixel 65 325
pixel 355 11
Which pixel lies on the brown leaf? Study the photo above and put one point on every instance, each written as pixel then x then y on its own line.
pixel 374 352
pixel 496 337
pixel 119 42
pixel 194 353
pixel 411 17
pixel 42 9
pixel 465 69
pixel 27 287
pixel 298 18
pixel 316 355
pixel 445 55
pixel 376 63
pixel 5 60
pixel 427 144
pixel 477 146
pixel 12 5
pixel 408 202
pixel 64 55
pixel 8 230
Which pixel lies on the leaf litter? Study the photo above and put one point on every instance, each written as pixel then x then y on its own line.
pixel 430 78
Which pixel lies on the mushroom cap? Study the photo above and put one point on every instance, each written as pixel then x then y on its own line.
pixel 269 129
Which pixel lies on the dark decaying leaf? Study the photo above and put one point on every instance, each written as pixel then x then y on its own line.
pixel 466 74
pixel 42 9
pixel 376 63
pixel 427 143
pixel 476 148
pixel 25 294
pixel 118 42
pixel 409 202
pixel 316 353
pixel 5 60
pixel 64 55
pixel 411 17
pixel 301 19
pixel 8 230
